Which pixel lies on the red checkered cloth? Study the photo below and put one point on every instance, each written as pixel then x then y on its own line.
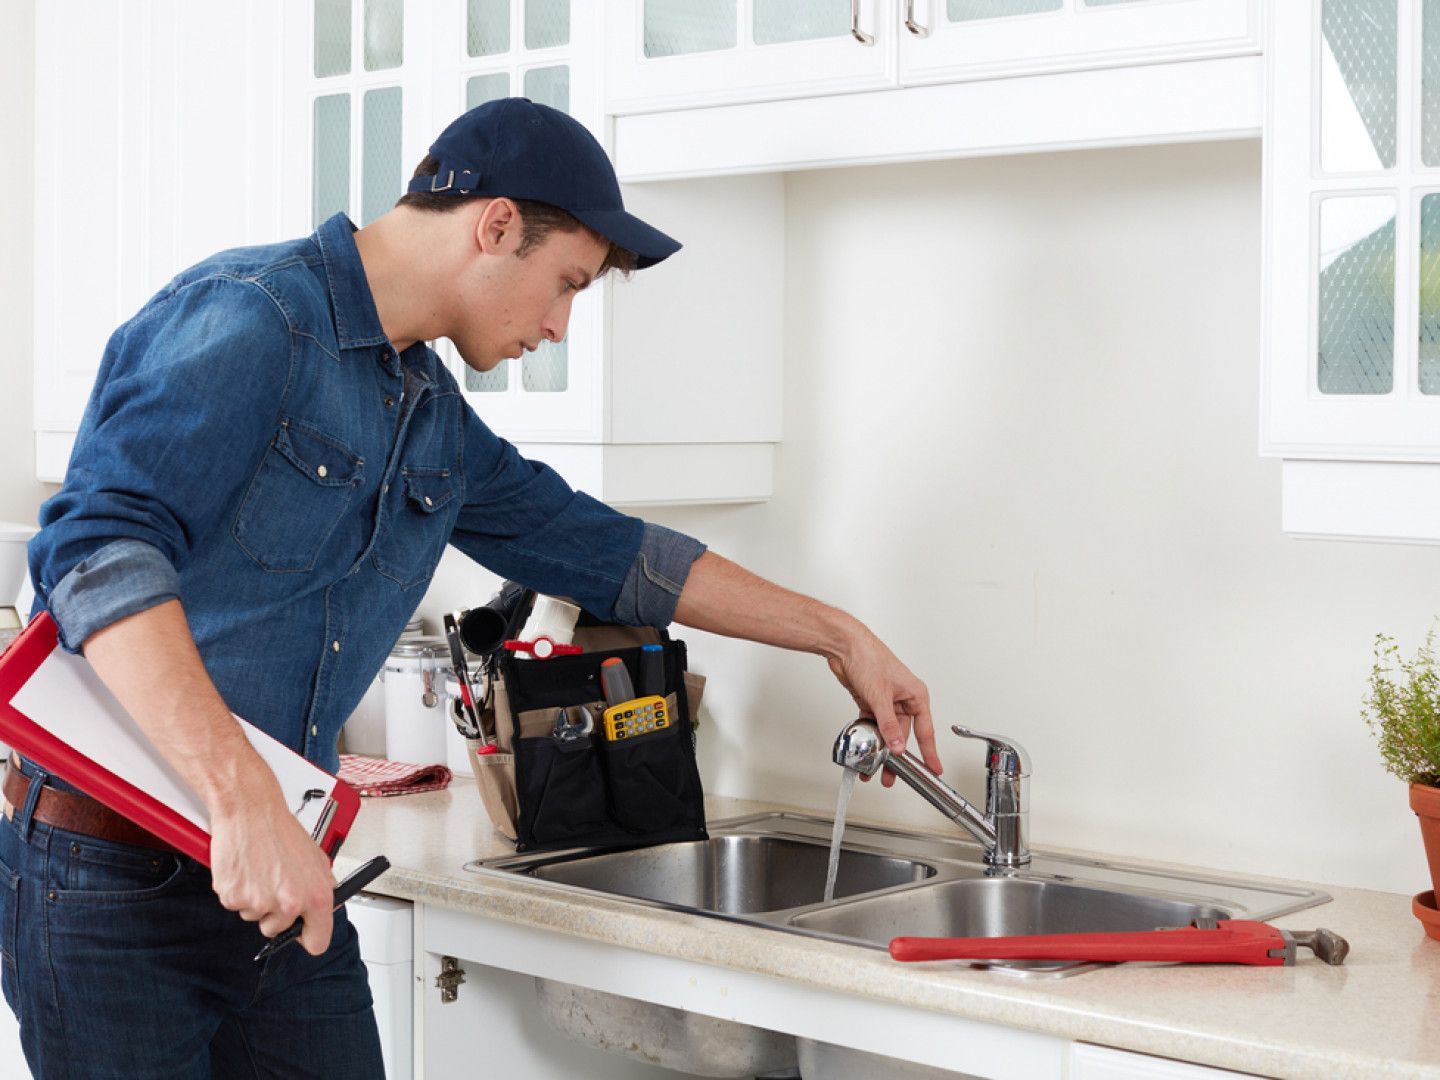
pixel 376 776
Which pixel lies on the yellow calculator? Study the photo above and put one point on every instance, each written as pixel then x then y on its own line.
pixel 639 716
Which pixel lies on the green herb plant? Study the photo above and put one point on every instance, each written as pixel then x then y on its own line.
pixel 1403 710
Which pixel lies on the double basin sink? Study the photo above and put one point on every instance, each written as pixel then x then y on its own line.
pixel 768 870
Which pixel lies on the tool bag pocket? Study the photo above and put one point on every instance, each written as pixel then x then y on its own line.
pixel 573 786
pixel 651 789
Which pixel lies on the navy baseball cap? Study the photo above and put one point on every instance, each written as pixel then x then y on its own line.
pixel 518 149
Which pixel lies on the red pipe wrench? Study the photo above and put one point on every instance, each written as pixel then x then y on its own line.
pixel 1206 941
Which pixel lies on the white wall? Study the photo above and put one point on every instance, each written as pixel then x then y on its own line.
pixel 1020 441
pixel 20 493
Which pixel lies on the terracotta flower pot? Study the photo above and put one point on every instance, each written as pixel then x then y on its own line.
pixel 1425 801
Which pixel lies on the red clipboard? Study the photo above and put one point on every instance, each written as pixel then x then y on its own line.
pixel 102 751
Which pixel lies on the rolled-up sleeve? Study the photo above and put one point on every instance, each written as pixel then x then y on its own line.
pixel 186 391
pixel 522 521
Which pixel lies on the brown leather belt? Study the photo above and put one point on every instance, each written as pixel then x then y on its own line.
pixel 77 813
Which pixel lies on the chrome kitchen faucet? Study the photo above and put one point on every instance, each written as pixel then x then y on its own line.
pixel 1003 826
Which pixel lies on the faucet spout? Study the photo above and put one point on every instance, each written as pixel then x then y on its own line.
pixel 1001 828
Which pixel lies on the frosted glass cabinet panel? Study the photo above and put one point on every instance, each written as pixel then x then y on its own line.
pixel 1429 370
pixel 547 24
pixel 331 157
pixel 332 37
pixel 381 179
pixel 487 27
pixel 1357 85
pixel 677 53
pixel 1356 299
pixel 966 10
pixel 677 27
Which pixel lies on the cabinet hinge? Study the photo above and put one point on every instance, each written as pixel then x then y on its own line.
pixel 449 980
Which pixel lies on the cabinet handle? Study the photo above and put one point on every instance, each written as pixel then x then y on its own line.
pixel 859 35
pixel 910 23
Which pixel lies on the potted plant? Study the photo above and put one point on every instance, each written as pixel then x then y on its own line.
pixel 1403 710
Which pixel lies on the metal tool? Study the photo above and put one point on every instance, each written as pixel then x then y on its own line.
pixel 467 717
pixel 1206 941
pixel 568 733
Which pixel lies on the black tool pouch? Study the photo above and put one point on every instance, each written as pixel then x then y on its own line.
pixel 572 788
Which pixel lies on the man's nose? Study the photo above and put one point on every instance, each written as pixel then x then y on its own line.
pixel 556 322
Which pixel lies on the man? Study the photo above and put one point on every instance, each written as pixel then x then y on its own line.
pixel 270 466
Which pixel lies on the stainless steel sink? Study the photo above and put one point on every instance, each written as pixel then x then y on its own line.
pixel 1001 906
pixel 768 870
pixel 733 874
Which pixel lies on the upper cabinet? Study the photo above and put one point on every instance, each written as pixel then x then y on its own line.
pixel 225 125
pixel 683 53
pixel 704 87
pixel 176 105
pixel 1351 393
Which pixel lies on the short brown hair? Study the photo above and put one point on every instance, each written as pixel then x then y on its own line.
pixel 537 220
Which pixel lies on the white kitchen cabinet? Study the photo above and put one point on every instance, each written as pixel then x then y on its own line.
pixel 946 40
pixel 386 928
pixel 1351 385
pixel 494 1015
pixel 154 147
pixel 665 54
pixel 666 389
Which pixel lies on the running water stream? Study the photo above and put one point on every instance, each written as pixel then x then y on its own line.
pixel 847 785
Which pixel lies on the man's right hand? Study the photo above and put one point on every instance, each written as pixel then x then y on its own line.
pixel 265 866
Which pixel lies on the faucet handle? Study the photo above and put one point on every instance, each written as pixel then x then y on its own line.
pixel 1005 755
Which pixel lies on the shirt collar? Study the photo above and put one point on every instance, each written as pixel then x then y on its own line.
pixel 357 323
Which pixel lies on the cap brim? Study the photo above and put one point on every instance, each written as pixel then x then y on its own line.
pixel 649 244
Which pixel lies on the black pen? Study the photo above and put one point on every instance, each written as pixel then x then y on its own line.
pixel 356 881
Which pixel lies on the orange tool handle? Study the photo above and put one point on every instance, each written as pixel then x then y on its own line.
pixel 1233 941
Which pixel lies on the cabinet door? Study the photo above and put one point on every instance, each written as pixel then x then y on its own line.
pixel 356 107
pixel 1352 233
pixel 676 53
pixel 545 50
pixel 952 40
pixel 173 164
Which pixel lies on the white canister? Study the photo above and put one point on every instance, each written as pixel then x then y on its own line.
pixel 416 708
pixel 14 572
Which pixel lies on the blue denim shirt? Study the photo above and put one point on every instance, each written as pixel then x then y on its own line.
pixel 256 447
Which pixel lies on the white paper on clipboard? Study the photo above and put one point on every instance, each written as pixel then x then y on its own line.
pixel 66 697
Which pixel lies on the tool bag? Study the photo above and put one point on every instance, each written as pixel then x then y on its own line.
pixel 549 786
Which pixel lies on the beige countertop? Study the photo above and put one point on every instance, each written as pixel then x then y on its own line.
pixel 1376 1016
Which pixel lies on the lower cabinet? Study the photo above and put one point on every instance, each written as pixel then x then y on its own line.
pixel 495 1018
pixel 387 935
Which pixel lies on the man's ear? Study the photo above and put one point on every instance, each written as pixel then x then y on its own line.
pixel 497 232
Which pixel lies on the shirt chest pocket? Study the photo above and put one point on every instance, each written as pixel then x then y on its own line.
pixel 419 514
pixel 304 485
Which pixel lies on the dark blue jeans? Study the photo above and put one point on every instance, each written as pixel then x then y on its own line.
pixel 120 962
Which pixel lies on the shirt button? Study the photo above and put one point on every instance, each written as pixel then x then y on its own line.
pixel 314 729
pixel 386 491
pixel 389 402
pixel 321 471
pixel 428 502
pixel 335 646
